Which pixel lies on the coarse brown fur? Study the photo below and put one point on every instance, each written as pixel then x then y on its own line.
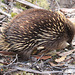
pixel 36 28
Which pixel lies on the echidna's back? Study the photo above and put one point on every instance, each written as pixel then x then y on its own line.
pixel 37 28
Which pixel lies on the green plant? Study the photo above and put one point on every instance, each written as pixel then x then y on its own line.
pixel 13 14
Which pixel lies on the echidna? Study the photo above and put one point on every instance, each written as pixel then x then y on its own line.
pixel 36 29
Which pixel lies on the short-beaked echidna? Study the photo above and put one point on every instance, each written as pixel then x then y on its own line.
pixel 36 29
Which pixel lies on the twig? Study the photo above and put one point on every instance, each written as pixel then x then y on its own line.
pixel 3 19
pixel 4 5
pixel 35 71
pixel 29 4
pixel 57 5
pixel 38 59
pixel 8 72
pixel 13 60
pixel 5 13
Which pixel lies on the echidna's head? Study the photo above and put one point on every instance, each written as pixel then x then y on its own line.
pixel 70 30
pixel 69 27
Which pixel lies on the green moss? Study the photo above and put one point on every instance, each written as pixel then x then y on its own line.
pixel 74 62
pixel 32 1
pixel 23 8
pixel 41 3
pixel 13 14
pixel 20 6
pixel 2 1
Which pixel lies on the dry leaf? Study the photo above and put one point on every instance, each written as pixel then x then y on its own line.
pixel 67 53
pixel 71 19
pixel 61 59
pixel 66 10
pixel 52 64
pixel 44 57
pixel 7 53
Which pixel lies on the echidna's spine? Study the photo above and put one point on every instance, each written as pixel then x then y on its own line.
pixel 37 29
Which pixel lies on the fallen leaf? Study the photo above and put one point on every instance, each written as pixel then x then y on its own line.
pixel 7 53
pixel 60 59
pixel 1 69
pixel 52 64
pixel 67 53
pixel 43 57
